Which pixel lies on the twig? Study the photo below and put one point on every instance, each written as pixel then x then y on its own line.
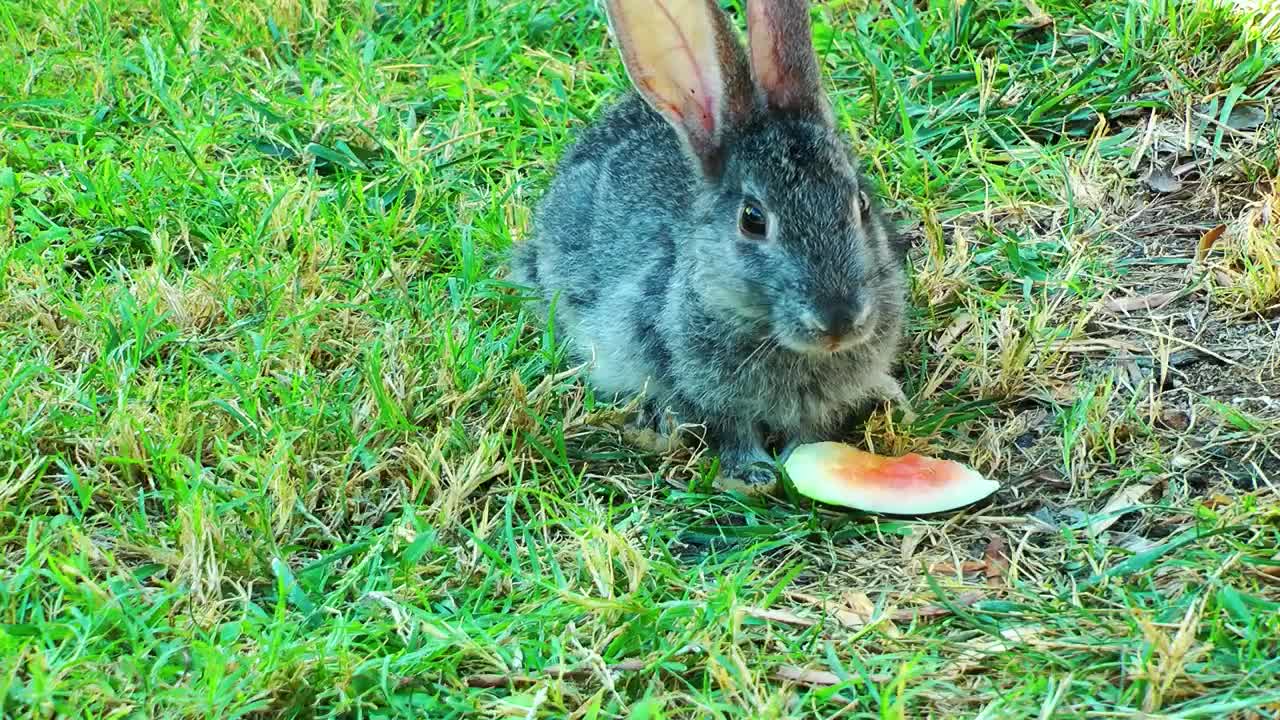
pixel 446 143
pixel 964 599
pixel 1172 338
pixel 498 680
pixel 41 128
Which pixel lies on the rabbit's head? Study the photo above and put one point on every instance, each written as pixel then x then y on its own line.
pixel 786 234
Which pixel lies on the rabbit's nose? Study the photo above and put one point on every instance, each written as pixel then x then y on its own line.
pixel 833 320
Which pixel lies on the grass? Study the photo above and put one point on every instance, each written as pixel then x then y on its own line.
pixel 276 440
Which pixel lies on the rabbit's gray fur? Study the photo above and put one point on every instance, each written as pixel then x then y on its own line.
pixel 655 288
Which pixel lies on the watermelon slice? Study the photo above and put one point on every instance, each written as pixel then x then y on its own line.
pixel 837 474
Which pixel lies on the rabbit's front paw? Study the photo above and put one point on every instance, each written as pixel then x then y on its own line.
pixel 758 479
pixel 654 428
pixel 747 469
pixel 889 390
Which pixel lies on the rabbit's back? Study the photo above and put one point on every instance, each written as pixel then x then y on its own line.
pixel 602 248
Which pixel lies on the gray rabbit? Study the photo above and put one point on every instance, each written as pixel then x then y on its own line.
pixel 711 245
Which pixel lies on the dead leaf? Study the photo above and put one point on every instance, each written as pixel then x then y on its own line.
pixel 1162 181
pixel 856 611
pixel 1154 301
pixel 1186 167
pixel 1176 359
pixel 1269 573
pixel 564 672
pixel 955 328
pixel 946 568
pixel 1131 542
pixel 1174 420
pixel 582 672
pixel 1092 345
pixel 974 653
pixel 1246 117
pixel 971 655
pixel 780 616
pixel 1036 18
pixel 1023 633
pixel 494 680
pixel 1129 366
pixel 1034 22
pixel 1217 500
pixel 1122 502
pixel 1041 521
pixel 1207 240
pixel 997 560
pixel 964 599
pixel 855 616
pixel 818 678
pixel 859 606
pixel 909 543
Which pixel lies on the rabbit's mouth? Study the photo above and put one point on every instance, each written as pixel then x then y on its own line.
pixel 828 333
pixel 825 344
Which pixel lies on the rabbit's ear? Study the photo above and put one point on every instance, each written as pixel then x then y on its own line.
pixel 683 58
pixel 782 57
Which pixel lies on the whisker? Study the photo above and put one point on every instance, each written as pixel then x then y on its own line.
pixel 768 339
pixel 878 273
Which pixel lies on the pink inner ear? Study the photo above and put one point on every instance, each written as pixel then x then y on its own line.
pixel 698 67
pixel 674 51
pixel 782 57
pixel 708 116
pixel 766 58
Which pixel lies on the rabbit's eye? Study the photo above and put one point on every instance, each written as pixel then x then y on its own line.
pixel 752 221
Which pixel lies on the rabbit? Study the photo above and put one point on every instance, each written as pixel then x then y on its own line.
pixel 711 246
